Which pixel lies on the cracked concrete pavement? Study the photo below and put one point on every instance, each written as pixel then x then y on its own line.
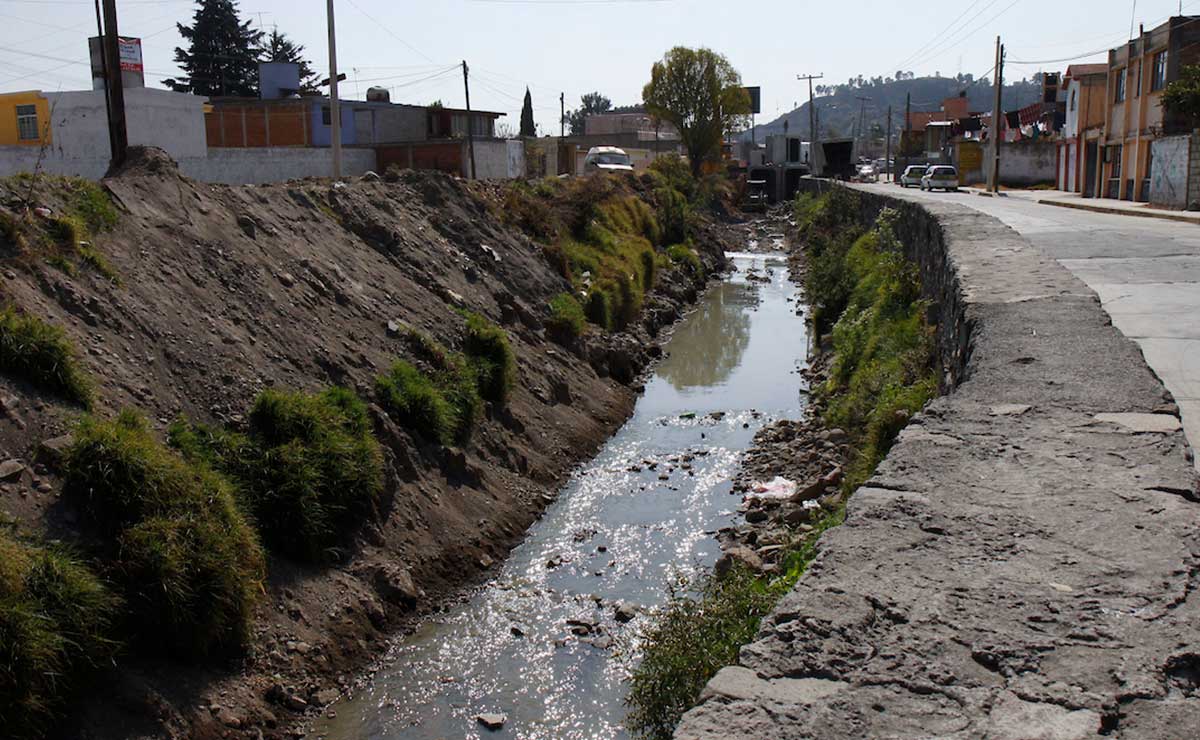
pixel 1023 565
pixel 1146 272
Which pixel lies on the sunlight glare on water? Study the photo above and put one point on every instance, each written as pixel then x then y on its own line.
pixel 539 642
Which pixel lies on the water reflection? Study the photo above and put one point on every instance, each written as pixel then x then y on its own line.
pixel 540 642
pixel 706 349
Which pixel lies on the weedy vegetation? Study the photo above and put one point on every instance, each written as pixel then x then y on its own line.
pixel 56 625
pixel 187 560
pixel 308 470
pixel 42 355
pixel 64 239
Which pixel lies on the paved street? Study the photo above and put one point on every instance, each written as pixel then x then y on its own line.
pixel 1146 272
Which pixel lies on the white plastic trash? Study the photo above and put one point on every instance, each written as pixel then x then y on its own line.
pixel 778 487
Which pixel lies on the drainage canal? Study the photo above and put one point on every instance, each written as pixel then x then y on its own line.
pixel 549 641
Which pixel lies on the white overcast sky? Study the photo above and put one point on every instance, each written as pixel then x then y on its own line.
pixel 576 46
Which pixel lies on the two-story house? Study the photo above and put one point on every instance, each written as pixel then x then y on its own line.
pixel 1079 145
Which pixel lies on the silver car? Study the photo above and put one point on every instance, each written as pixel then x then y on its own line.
pixel 912 175
pixel 943 177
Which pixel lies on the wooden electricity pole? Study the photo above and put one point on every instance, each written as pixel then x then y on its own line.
pixel 470 128
pixel 335 116
pixel 997 113
pixel 904 137
pixel 562 115
pixel 115 91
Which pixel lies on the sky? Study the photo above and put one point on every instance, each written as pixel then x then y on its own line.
pixel 577 46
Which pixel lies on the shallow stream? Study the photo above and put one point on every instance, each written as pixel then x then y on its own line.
pixel 541 642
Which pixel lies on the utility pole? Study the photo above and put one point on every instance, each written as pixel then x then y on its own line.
pixel 118 136
pixel 887 160
pixel 862 118
pixel 907 128
pixel 994 165
pixel 470 128
pixel 112 141
pixel 562 115
pixel 812 120
pixel 335 116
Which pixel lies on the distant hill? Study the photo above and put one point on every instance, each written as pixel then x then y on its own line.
pixel 838 108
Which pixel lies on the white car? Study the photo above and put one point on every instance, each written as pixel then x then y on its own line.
pixel 912 175
pixel 607 159
pixel 940 176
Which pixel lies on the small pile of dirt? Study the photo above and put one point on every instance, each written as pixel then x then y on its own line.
pixel 145 161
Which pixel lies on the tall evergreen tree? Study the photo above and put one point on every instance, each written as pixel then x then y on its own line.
pixel 527 126
pixel 222 54
pixel 280 48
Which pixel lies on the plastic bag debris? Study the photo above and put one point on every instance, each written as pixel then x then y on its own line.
pixel 778 487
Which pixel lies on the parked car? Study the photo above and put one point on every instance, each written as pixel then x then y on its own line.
pixel 912 175
pixel 940 176
pixel 607 159
pixel 868 173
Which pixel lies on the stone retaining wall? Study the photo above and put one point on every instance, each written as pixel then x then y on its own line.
pixel 1026 561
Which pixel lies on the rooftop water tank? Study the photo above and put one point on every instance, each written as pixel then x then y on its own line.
pixel 379 95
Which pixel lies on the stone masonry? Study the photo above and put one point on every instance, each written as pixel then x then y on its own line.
pixel 1024 564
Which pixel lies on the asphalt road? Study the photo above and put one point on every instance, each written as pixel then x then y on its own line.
pixel 1146 272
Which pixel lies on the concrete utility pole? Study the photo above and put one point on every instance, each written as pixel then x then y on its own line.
pixel 907 128
pixel 562 115
pixel 115 91
pixel 997 113
pixel 812 120
pixel 862 117
pixel 335 116
pixel 887 157
pixel 470 128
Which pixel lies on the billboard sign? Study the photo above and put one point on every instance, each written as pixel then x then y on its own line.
pixel 755 99
pixel 130 53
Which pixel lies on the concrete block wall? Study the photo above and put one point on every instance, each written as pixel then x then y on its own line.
pixel 228 166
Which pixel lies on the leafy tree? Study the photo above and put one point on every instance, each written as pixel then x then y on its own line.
pixel 527 126
pixel 280 48
pixel 590 104
pixel 222 53
pixel 1182 96
pixel 701 94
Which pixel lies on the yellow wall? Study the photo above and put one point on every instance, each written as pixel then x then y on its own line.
pixel 8 117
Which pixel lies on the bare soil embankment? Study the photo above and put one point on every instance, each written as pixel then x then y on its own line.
pixel 226 291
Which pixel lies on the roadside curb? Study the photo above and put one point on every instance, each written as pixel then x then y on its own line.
pixel 1163 215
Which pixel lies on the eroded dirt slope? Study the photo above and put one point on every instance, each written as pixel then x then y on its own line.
pixel 225 291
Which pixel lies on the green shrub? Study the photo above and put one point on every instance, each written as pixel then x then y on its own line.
pixel 672 171
pixel 598 308
pixel 684 255
pixel 411 398
pixel 56 625
pixel 700 630
pixel 674 214
pixel 489 351
pixel 41 354
pixel 190 565
pixel 649 268
pixel 309 470
pixel 566 320
pixel 628 301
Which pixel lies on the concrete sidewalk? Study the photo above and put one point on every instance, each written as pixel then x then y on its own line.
pixel 1095 205
pixel 1025 563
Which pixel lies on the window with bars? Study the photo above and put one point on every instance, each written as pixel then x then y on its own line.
pixel 27 123
pixel 1159 79
pixel 1119 94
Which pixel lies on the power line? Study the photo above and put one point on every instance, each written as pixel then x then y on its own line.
pixel 927 44
pixel 390 32
pixel 964 38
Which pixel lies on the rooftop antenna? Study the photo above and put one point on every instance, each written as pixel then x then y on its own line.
pixel 1132 16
